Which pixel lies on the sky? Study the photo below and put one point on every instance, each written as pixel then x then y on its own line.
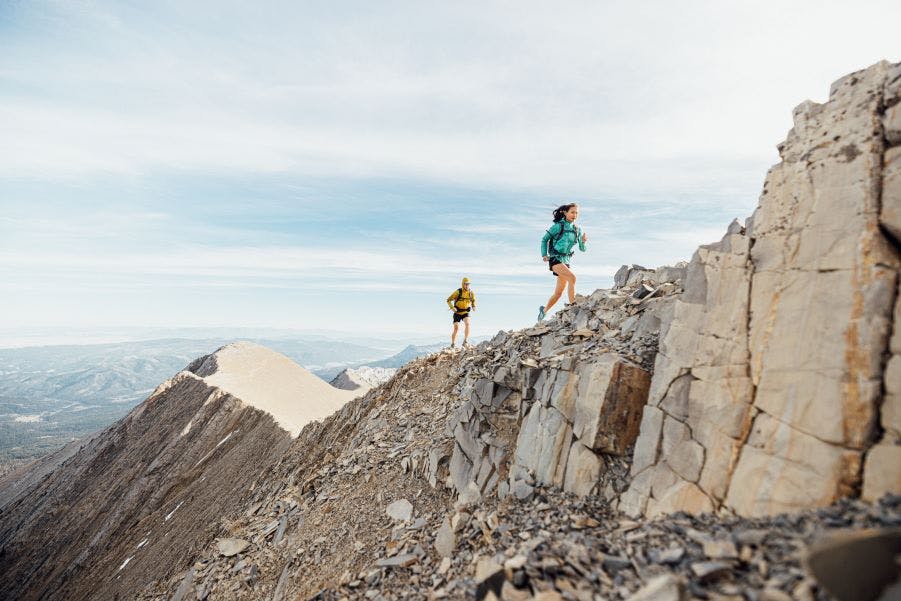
pixel 340 166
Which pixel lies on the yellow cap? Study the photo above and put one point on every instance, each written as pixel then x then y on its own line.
pixel 465 280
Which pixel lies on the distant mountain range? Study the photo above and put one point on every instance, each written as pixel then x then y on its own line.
pixel 394 361
pixel 51 395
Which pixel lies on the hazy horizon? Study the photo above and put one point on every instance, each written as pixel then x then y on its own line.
pixel 30 336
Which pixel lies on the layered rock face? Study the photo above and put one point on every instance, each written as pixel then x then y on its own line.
pixel 141 498
pixel 555 404
pixel 770 388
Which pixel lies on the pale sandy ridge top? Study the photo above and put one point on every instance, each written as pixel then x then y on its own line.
pixel 273 383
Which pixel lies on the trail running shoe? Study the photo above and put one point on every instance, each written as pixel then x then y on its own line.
pixel 541 313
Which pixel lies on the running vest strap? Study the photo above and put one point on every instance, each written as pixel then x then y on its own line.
pixel 464 297
pixel 559 236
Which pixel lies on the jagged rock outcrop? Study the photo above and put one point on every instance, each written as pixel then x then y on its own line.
pixel 141 498
pixel 551 404
pixel 767 389
pixel 363 378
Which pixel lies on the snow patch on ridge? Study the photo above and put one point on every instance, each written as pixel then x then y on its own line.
pixel 171 513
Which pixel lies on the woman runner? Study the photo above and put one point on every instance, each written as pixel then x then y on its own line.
pixel 557 250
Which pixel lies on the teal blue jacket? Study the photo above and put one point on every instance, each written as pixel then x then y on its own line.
pixel 562 250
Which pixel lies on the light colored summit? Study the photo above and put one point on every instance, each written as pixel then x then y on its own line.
pixel 275 384
pixel 363 378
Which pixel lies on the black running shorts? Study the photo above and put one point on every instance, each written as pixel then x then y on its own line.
pixel 458 317
pixel 552 262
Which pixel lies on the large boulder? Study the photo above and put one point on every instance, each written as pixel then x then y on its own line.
pixel 774 360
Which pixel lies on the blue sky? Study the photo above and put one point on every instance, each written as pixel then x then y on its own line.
pixel 341 166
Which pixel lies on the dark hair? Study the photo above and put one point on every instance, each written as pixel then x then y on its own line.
pixel 560 211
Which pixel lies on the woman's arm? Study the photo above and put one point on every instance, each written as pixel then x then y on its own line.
pixel 583 240
pixel 548 235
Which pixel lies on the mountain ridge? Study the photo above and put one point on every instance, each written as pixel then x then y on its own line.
pixel 156 481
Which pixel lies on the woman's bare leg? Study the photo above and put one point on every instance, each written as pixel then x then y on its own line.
pixel 569 279
pixel 558 291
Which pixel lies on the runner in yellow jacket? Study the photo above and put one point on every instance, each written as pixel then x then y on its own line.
pixel 461 302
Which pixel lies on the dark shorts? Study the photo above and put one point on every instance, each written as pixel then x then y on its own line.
pixel 552 262
pixel 458 318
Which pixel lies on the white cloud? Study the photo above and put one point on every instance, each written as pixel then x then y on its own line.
pixel 584 98
pixel 254 263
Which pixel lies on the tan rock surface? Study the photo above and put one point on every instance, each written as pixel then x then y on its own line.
pixel 775 355
pixel 881 473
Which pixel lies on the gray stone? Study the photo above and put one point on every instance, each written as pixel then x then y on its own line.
pixel 671 556
pixel 674 432
pixel 663 275
pixel 400 510
pixel 648 443
pixel 230 547
pixel 666 587
pixel 185 586
pixel 489 578
pixel 503 393
pixel 543 444
pixel 500 338
pixel 615 563
pixel 484 391
pixel 642 291
pixel 890 217
pixel 445 539
pixel 709 570
pixel 529 378
pixel 466 435
pixel 882 472
pixel 522 490
pixel 720 549
pixel 687 460
pixel 282 526
pixel 639 274
pixel 583 468
pixel 398 561
pixel 470 494
pixel 675 401
pixel 621 276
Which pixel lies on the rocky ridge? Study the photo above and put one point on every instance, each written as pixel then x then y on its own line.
pixel 93 522
pixel 367 503
pixel 326 508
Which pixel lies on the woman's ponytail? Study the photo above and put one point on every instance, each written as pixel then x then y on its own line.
pixel 560 212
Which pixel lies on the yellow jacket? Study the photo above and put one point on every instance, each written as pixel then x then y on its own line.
pixel 461 300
